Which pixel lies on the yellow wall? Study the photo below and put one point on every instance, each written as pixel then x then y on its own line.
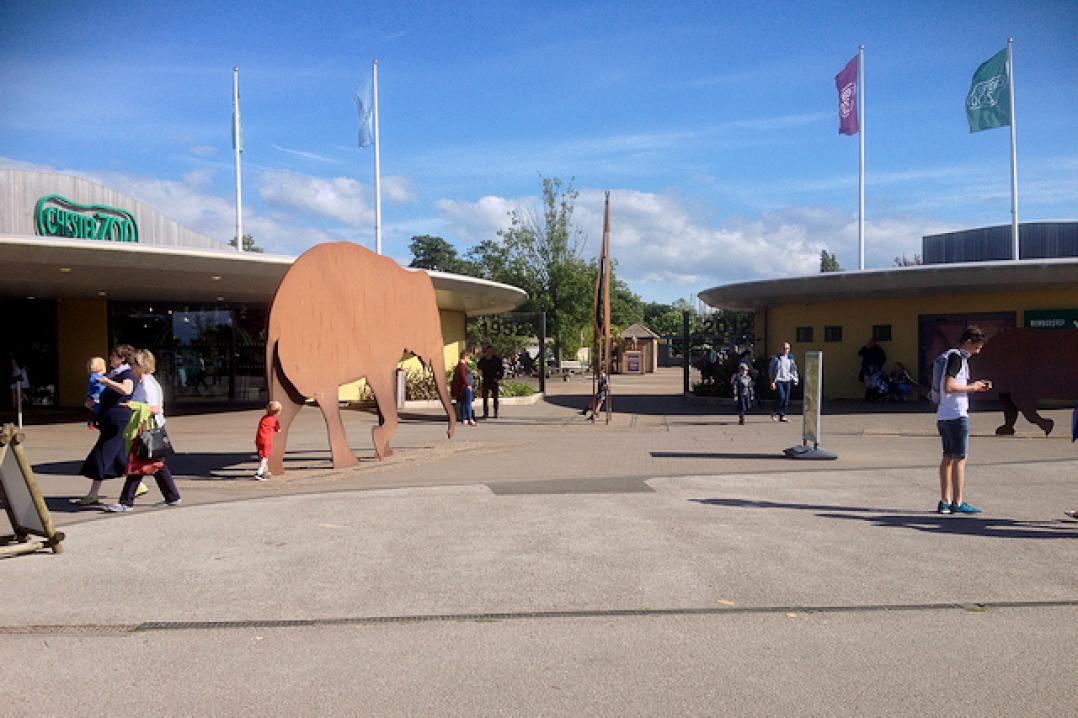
pixel 453 337
pixel 856 317
pixel 81 333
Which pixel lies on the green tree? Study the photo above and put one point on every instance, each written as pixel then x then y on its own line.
pixel 905 261
pixel 508 337
pixel 544 259
pixel 248 243
pixel 626 307
pixel 490 259
pixel 662 318
pixel 829 262
pixel 435 253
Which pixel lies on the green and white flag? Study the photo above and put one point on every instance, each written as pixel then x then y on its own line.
pixel 988 104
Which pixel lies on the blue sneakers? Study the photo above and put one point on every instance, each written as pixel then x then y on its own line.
pixel 943 507
pixel 964 508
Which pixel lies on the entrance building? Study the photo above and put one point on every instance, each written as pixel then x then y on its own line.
pixel 913 313
pixel 82 267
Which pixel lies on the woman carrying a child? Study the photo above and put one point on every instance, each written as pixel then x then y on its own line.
pixel 107 460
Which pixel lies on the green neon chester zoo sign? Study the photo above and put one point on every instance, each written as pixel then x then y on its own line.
pixel 56 216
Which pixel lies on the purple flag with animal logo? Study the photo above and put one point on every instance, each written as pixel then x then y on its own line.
pixel 846 82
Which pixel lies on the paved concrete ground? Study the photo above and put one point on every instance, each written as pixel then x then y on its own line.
pixel 669 564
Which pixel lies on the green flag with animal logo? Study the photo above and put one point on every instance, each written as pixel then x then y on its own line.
pixel 988 104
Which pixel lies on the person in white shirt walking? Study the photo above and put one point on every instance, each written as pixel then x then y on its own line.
pixel 783 374
pixel 952 421
pixel 147 392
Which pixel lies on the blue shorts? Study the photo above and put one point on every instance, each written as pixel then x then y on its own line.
pixel 955 435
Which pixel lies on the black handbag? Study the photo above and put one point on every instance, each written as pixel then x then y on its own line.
pixel 154 444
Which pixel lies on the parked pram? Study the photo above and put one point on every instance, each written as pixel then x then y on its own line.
pixel 877 388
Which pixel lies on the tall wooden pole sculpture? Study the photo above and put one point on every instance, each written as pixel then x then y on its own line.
pixel 601 317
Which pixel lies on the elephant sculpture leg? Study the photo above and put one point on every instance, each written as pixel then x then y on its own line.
pixel 1028 407
pixel 338 442
pixel 1010 416
pixel 289 409
pixel 291 402
pixel 382 387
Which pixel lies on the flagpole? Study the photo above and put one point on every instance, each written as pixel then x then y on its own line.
pixel 861 158
pixel 237 148
pixel 377 170
pixel 1014 156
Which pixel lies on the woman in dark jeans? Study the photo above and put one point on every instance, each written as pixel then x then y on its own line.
pixel 149 393
pixel 107 459
pixel 463 389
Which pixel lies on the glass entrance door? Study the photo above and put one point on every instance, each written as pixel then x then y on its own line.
pixel 29 337
pixel 205 354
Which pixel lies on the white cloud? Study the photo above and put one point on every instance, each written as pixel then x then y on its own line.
pixel 473 222
pixel 340 198
pixel 10 163
pixel 668 247
pixel 626 154
pixel 201 179
pixel 780 122
pixel 189 201
pixel 398 189
pixel 204 151
pixel 308 155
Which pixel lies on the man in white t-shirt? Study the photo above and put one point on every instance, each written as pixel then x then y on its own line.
pixel 952 421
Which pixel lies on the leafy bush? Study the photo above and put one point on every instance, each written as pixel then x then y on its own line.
pixel 515 388
pixel 419 385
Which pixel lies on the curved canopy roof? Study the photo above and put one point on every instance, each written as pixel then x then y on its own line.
pixel 927 279
pixel 52 267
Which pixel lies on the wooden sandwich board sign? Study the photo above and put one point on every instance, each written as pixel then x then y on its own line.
pixel 22 500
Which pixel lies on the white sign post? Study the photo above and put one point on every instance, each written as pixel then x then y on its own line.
pixel 810 413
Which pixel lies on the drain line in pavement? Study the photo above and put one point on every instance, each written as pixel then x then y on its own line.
pixel 148 626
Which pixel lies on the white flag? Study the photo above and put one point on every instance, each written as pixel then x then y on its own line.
pixel 364 99
pixel 237 131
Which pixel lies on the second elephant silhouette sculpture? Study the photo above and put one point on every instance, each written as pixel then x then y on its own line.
pixel 343 313
pixel 1026 365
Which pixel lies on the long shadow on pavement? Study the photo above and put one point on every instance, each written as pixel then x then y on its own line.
pixel 207 466
pixel 714 455
pixel 650 404
pixel 677 405
pixel 927 522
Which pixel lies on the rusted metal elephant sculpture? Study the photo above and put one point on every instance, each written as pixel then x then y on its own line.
pixel 343 313
pixel 1026 365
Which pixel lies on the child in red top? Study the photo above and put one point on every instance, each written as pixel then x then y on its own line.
pixel 267 427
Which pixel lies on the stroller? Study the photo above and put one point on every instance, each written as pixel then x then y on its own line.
pixel 877 388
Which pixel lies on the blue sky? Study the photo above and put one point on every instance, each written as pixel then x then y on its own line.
pixel 714 125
